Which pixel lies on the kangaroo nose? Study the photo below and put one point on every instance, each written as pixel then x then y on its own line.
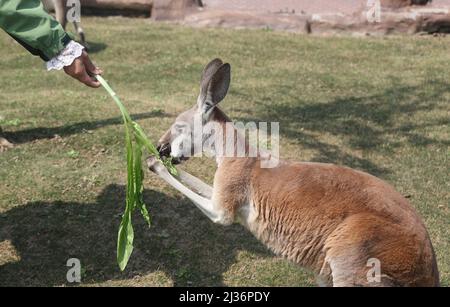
pixel 164 149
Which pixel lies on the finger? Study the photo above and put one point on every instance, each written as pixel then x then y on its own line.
pixel 90 67
pixel 88 80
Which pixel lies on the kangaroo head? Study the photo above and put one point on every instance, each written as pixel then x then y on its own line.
pixel 186 135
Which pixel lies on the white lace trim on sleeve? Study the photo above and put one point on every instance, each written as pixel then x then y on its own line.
pixel 72 51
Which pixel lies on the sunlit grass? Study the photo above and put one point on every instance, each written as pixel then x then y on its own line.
pixel 376 104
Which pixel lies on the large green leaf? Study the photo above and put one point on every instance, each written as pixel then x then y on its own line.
pixel 136 141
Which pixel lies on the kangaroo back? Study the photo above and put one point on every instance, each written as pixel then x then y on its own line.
pixel 333 220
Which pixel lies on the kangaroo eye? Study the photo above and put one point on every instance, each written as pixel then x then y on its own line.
pixel 179 128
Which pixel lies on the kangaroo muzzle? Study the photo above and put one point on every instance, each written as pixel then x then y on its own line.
pixel 164 149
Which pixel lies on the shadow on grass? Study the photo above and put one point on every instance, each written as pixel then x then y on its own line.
pixel 28 135
pixel 368 123
pixel 182 243
pixel 95 47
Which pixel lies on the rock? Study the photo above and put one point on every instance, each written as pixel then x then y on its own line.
pixel 391 23
pixel 125 7
pixel 174 9
pixel 248 20
pixel 395 4
pixel 420 2
pixel 434 23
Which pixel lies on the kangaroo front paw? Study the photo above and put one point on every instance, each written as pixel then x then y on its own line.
pixel 154 164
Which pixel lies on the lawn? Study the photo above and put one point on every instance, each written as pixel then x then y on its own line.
pixel 381 105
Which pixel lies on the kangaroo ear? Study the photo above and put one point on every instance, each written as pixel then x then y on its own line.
pixel 207 74
pixel 214 84
pixel 209 71
pixel 219 84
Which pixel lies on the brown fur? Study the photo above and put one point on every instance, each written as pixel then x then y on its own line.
pixel 315 213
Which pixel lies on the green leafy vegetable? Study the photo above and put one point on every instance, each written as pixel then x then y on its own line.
pixel 136 143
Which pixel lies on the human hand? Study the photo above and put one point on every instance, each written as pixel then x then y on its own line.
pixel 84 70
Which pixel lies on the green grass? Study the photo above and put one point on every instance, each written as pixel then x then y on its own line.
pixel 381 105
